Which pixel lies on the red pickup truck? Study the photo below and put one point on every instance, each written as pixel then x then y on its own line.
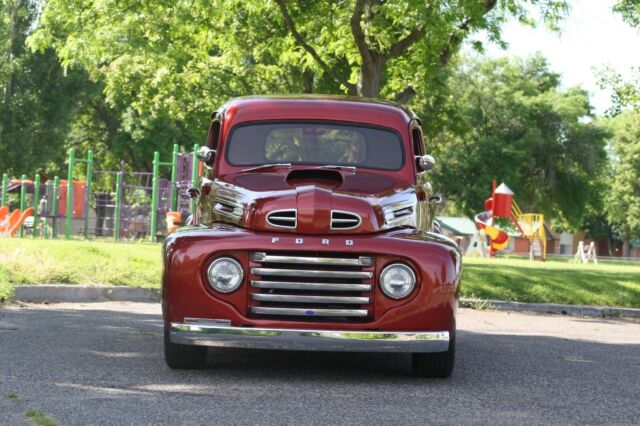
pixel 313 231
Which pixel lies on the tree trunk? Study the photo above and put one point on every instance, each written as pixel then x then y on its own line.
pixel 609 242
pixel 370 81
pixel 626 242
pixel 307 78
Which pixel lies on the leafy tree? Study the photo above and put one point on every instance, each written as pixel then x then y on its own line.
pixel 509 120
pixel 623 193
pixel 630 11
pixel 36 98
pixel 183 58
pixel 625 92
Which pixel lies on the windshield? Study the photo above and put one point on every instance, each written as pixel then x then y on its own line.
pixel 315 143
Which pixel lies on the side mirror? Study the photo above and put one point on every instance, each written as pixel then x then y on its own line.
pixel 206 155
pixel 425 162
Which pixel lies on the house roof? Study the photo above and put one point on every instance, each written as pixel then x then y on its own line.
pixel 458 225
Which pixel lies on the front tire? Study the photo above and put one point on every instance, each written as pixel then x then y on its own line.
pixel 437 365
pixel 183 357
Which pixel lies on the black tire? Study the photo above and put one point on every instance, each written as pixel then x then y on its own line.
pixel 436 365
pixel 183 357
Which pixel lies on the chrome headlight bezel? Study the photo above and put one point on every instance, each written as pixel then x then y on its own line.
pixel 404 294
pixel 239 277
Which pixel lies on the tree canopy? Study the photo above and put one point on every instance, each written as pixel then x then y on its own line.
pixel 630 11
pixel 510 120
pixel 182 58
pixel 36 98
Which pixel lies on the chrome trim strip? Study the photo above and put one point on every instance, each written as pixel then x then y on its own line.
pixel 302 260
pixel 310 286
pixel 230 215
pixel 399 205
pixel 308 312
pixel 220 200
pixel 296 298
pixel 356 217
pixel 286 218
pixel 310 273
pixel 228 201
pixel 219 333
pixel 407 219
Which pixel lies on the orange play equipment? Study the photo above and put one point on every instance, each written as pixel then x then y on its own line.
pixel 10 223
pixel 174 221
pixel 530 225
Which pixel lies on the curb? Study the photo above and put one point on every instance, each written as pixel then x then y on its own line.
pixel 70 293
pixel 56 293
pixel 550 308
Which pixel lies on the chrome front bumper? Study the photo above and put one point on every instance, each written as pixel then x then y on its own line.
pixel 204 332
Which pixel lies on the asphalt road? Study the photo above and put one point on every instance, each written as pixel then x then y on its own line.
pixel 102 364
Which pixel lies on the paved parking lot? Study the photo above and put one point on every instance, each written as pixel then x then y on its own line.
pixel 102 363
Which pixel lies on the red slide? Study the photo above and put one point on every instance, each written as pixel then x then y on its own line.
pixel 15 221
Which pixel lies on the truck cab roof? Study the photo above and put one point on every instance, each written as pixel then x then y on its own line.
pixel 318 107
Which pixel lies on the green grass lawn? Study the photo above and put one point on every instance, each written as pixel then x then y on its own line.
pixel 557 281
pixel 28 261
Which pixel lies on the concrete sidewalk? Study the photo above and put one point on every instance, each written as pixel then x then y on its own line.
pixel 56 293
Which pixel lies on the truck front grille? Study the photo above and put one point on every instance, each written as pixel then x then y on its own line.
pixel 311 286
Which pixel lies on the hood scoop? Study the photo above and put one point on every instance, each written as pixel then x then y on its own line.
pixel 315 176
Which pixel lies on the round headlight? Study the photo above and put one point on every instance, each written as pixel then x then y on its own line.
pixel 225 275
pixel 397 280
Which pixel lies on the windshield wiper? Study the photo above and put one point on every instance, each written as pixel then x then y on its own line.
pixel 333 166
pixel 267 166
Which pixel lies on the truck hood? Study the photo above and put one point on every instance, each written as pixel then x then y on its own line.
pixel 308 201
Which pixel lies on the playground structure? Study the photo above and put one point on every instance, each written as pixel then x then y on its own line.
pixel 117 204
pixel 502 205
pixel 586 253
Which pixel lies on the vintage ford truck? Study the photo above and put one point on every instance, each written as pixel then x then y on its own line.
pixel 313 231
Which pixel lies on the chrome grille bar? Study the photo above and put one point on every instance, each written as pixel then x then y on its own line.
pixel 353 300
pixel 310 312
pixel 303 260
pixel 310 286
pixel 310 273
